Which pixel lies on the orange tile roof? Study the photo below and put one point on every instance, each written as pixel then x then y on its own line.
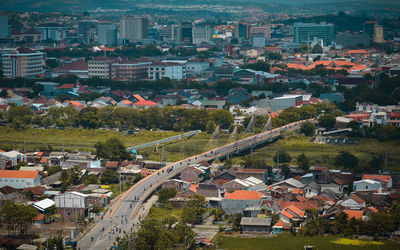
pixel 301 198
pixel 287 214
pixel 39 217
pixel 244 195
pixel 39 155
pixel 297 191
pixel 127 102
pixel 18 174
pixel 139 97
pixel 145 103
pixel 282 224
pixel 357 51
pixel 193 187
pixel 301 205
pixel 384 178
pixel 354 214
pixel 43 160
pixel 373 209
pixel 144 172
pixel 358 67
pixel 296 210
pixel 75 103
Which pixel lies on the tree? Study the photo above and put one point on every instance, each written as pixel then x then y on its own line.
pixel 307 128
pixel 194 209
pixel 235 220
pixel 210 128
pixel 222 117
pixel 112 149
pixel 285 171
pixel 165 194
pixel 218 214
pixel 109 176
pixel 302 162
pixel 17 216
pixel 346 160
pixel 284 157
pixel 51 63
pixel 327 121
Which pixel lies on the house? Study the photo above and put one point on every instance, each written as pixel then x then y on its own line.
pixel 235 184
pixel 291 213
pixel 19 179
pixel 240 199
pixel 312 189
pixel 237 95
pixel 10 159
pixel 143 104
pixel 354 214
pixel 368 185
pixel 281 226
pixel 255 225
pixel 260 174
pixel 71 204
pixel 11 194
pixel 290 183
pixel 208 190
pixel 192 174
pixel 213 104
pixel 353 202
pixel 387 179
pixel 176 184
pixel 224 177
pixel 43 206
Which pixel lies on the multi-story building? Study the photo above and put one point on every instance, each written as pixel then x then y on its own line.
pixel 257 40
pixel 87 29
pixel 186 32
pixel 107 34
pixel 23 62
pixel 52 31
pixel 378 34
pixel 130 70
pixel 160 70
pixel 369 27
pixel 134 28
pixel 201 33
pixel 170 33
pixel 349 40
pixel 305 33
pixel 4 30
pixel 242 31
pixel 195 67
pixel 100 67
pixel 393 118
pixel 261 29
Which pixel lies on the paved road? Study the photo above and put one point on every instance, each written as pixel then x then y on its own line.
pixel 124 210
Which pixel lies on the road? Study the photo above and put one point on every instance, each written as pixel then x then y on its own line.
pixel 122 214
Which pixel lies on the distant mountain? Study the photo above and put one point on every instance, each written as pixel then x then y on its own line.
pixel 80 5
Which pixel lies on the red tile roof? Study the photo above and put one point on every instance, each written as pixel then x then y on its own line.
pixel 251 170
pixel 67 86
pixel 193 187
pixel 112 164
pixel 244 195
pixel 354 214
pixel 18 174
pixel 383 178
pixel 34 190
pixel 357 199
pixel 296 210
pixel 77 65
pixel 144 172
pixel 287 214
pixel 145 103
pixel 282 224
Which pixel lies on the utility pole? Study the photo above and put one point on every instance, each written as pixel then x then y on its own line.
pixel 120 186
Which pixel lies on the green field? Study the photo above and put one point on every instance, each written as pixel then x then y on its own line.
pixel 289 242
pixel 159 213
pixel 324 154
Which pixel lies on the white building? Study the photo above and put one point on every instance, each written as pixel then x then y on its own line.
pixel 72 204
pixel 367 185
pixel 195 67
pixel 201 33
pixel 19 179
pixel 284 102
pixel 170 70
pixel 100 67
pixel 23 62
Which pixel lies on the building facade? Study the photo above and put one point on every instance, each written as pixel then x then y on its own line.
pixel 23 62
pixel 134 28
pixel 100 67
pixel 304 33
pixel 130 70
pixel 284 102
pixel 19 179
pixel 201 33
pixel 4 30
pixel 166 70
pixel 107 34
pixel 261 29
pixel 52 31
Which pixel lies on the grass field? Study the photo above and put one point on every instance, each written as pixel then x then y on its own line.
pixel 159 213
pixel 289 242
pixel 84 140
pixel 324 154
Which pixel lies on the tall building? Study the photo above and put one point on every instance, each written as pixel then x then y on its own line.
pixel 4 30
pixel 23 62
pixel 107 34
pixel 201 33
pixel 185 32
pixel 257 40
pixel 369 27
pixel 305 33
pixel 87 29
pixel 261 29
pixel 378 34
pixel 242 31
pixel 170 33
pixel 134 28
pixel 350 40
pixel 52 31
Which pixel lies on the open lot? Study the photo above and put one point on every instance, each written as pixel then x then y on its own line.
pixel 289 242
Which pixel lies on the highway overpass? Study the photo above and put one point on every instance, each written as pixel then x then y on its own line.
pixel 123 212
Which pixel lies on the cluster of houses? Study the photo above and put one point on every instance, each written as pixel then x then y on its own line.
pixel 246 191
pixel 32 184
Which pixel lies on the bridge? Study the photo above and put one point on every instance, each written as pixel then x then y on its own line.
pixel 123 214
pixel 172 138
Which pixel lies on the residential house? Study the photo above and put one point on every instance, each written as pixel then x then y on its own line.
pixel 255 225
pixel 353 202
pixel 213 104
pixel 44 208
pixel 176 184
pixel 235 184
pixel 11 194
pixel 368 185
pixel 260 174
pixel 224 177
pixel 10 159
pixel 19 179
pixel 240 199
pixel 387 179
pixel 208 190
pixel 193 174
